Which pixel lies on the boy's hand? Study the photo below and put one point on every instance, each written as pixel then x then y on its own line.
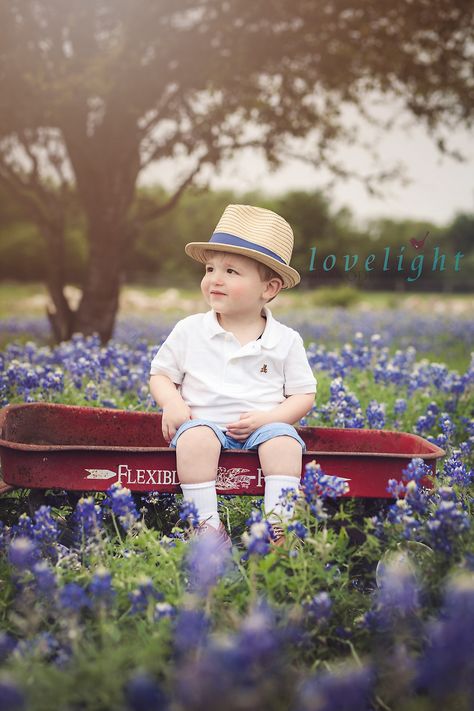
pixel 248 423
pixel 175 413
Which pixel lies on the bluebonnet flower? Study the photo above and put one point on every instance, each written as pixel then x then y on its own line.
pixel 447 521
pixel 163 610
pixel 206 561
pixel 416 471
pixel 73 597
pixel 23 527
pixel 348 689
pixel 319 608
pixel 11 696
pixel 398 594
pixel 257 539
pixel 44 577
pixel 189 513
pixel 143 595
pixel 375 414
pixel 45 646
pixel 191 628
pixel 457 472
pixel 257 635
pixel 447 665
pixel 122 504
pixel 447 425
pixel 45 531
pixel 22 553
pixel 299 529
pixel 316 486
pixel 400 406
pixel 100 588
pixel 143 693
pixel 87 519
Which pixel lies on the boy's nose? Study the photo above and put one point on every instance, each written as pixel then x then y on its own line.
pixel 217 278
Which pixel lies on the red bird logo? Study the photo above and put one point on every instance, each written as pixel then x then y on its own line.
pixel 418 243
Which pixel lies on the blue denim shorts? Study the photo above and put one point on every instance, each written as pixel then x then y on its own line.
pixel 258 437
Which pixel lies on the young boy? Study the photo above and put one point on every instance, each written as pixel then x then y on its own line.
pixel 234 377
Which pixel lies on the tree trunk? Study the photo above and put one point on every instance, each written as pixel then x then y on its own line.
pixel 60 314
pixel 101 289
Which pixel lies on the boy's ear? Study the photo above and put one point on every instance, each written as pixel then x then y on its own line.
pixel 274 286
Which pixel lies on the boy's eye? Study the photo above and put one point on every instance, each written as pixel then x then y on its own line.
pixel 231 271
pixel 208 269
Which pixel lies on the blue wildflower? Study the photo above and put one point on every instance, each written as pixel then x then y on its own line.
pixel 189 513
pixel 87 519
pixel 73 597
pixel 163 610
pixel 143 594
pixel 457 472
pixel 447 665
pixel 299 529
pixel 45 531
pixel 375 414
pixel 143 693
pixel 100 588
pixel 319 607
pixel 122 504
pixel 191 628
pixel 206 561
pixel 44 577
pixel 257 539
pixel 11 696
pixel 398 594
pixel 22 553
pixel 349 689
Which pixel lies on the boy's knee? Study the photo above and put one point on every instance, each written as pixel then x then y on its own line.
pixel 198 438
pixel 281 456
pixel 281 443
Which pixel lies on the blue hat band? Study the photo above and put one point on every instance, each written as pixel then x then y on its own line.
pixel 233 241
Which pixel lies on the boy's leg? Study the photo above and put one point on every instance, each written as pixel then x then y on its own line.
pixel 197 456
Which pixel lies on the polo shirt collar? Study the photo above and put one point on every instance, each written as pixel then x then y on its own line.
pixel 270 336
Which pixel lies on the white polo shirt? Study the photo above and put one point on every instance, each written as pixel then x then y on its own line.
pixel 220 379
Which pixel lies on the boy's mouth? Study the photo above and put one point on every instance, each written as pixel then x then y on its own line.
pixel 217 293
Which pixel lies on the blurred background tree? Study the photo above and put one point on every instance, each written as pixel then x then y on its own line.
pixel 93 93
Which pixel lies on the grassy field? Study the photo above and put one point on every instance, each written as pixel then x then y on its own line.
pixel 17 299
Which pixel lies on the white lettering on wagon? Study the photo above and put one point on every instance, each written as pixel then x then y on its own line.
pixel 146 476
pixel 234 478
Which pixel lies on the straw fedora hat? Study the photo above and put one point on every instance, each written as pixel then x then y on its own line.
pixel 253 232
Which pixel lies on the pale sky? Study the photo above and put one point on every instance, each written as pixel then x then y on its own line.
pixel 439 187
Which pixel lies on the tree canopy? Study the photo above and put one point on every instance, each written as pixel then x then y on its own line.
pixel 92 93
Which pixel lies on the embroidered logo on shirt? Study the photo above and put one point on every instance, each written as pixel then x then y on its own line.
pixel 264 368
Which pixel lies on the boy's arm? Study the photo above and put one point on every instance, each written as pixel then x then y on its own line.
pixel 175 410
pixel 291 410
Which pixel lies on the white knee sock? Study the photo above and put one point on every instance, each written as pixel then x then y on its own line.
pixel 274 486
pixel 204 497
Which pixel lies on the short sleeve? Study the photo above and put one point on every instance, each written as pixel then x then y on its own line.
pixel 299 378
pixel 170 357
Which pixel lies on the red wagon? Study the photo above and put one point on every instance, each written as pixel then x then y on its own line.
pixel 45 446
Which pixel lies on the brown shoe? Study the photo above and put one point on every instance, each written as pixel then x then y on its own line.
pixel 222 538
pixel 279 536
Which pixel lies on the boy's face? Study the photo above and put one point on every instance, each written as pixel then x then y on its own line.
pixel 232 284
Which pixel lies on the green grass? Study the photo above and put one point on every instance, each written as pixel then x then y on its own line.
pixel 25 299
